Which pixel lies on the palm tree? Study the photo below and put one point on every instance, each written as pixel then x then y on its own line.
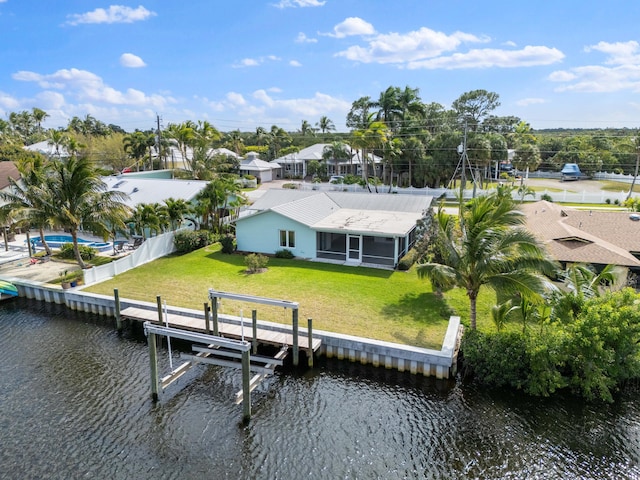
pixel 137 144
pixel 491 248
pixel 580 283
pixel 325 125
pixel 215 198
pixel 27 201
pixel 306 128
pixel 39 116
pixel 335 151
pixel 176 211
pixel 57 139
pixel 80 199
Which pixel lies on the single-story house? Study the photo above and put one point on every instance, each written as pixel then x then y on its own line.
pixel 596 237
pixel 295 164
pixel 48 149
pixel 260 169
pixel 142 189
pixel 350 228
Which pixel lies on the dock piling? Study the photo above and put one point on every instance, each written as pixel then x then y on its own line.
pixel 116 308
pixel 214 315
pixel 310 338
pixel 207 327
pixel 296 350
pixel 254 340
pixel 246 385
pixel 153 363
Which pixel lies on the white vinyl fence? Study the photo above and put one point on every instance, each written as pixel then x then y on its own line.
pixel 150 249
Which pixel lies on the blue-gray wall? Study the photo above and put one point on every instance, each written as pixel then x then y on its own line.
pixel 260 233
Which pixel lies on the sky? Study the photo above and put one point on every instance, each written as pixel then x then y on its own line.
pixel 241 64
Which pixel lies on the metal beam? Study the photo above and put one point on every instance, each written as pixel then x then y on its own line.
pixel 197 337
pixel 223 353
pixel 250 298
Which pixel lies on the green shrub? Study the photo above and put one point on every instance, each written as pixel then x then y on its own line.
pixel 188 240
pixel 408 259
pixel 291 186
pixel 284 253
pixel 350 179
pixel 86 252
pixel 547 197
pixel 255 262
pixel 228 244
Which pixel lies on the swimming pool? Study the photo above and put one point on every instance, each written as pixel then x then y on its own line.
pixel 56 241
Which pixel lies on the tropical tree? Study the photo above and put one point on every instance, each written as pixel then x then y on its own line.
pixel 138 144
pixel 335 152
pixel 177 209
pixel 215 198
pixel 490 247
pixel 325 125
pixel 39 116
pixel 472 107
pixel 306 129
pixel 27 200
pixel 80 199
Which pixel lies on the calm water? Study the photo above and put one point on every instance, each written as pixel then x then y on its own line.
pixel 74 403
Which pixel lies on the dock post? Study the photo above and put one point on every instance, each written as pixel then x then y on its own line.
pixel 254 341
pixel 296 352
pixel 246 386
pixel 207 328
pixel 159 301
pixel 153 363
pixel 214 315
pixel 310 335
pixel 116 309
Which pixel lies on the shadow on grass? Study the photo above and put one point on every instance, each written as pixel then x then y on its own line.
pixel 426 308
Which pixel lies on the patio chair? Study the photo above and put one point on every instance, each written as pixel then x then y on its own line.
pixel 137 241
pixel 118 246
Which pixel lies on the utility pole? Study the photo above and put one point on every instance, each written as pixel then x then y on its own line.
pixel 635 174
pixel 159 142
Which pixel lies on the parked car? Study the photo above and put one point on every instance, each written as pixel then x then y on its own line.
pixel 571 171
pixel 336 179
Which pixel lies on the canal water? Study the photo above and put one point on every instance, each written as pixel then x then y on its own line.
pixel 74 404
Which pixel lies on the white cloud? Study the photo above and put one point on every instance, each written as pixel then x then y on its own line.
pixel 254 62
pixel 7 102
pixel 236 99
pixel 352 26
pixel 295 63
pixel 413 46
pixel 246 62
pixel 298 3
pixel 620 70
pixel 114 14
pixel 130 60
pixel 302 38
pixel 530 101
pixel 529 56
pixel 89 87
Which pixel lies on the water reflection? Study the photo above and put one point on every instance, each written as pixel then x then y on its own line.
pixel 74 402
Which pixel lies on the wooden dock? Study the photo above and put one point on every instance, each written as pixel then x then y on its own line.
pixel 225 329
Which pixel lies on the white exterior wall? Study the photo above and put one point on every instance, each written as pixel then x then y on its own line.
pixel 261 234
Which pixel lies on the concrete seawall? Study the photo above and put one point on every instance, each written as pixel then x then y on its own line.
pixel 421 361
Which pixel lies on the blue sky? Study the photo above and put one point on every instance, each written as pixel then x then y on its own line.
pixel 242 64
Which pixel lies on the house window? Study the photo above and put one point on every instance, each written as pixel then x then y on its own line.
pixel 288 238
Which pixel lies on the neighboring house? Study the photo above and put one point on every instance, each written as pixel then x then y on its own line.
pixel 153 190
pixel 48 149
pixel 8 170
pixel 296 164
pixel 350 228
pixel 175 159
pixel 260 169
pixel 595 237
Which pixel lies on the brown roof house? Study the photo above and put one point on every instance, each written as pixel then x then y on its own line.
pixel 594 237
pixel 8 170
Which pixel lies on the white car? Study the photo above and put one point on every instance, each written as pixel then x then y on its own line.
pixel 335 179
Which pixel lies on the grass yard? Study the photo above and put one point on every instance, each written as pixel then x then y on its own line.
pixel 386 305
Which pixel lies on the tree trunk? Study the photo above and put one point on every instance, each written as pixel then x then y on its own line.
pixel 472 309
pixel 46 246
pixel 76 250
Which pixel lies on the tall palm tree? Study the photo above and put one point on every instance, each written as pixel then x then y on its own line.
pixel 80 199
pixel 325 125
pixel 39 116
pixel 491 248
pixel 27 201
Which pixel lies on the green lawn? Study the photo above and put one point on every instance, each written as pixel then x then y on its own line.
pixel 387 305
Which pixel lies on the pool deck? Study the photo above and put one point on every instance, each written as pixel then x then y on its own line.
pixel 14 260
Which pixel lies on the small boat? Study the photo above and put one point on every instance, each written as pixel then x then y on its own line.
pixel 7 290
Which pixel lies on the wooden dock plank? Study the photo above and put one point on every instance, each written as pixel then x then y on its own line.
pixel 225 329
